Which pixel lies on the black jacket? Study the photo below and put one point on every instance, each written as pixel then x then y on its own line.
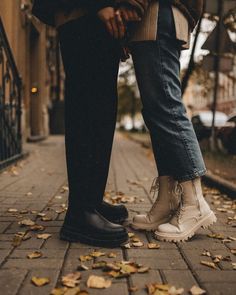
pixel 45 9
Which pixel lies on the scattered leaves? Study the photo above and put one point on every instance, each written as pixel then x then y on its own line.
pixel 43 236
pixel 131 235
pixel 133 289
pixel 71 280
pixel 153 246
pixel 195 290
pixel 46 218
pixel 209 264
pixel 39 282
pixel 111 255
pixel 26 222
pixel 34 255
pixel 84 258
pixel 98 282
pixel 82 267
pixel 97 254
pixel 37 227
pixel 216 236
pixel 161 289
pixel 206 253
pixel 12 210
pixel 137 244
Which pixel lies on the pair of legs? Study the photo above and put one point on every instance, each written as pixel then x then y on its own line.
pixel 91 61
pixel 175 146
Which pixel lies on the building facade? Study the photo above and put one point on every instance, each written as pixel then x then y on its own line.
pixel 35 51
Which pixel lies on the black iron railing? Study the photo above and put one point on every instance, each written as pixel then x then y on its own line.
pixel 10 104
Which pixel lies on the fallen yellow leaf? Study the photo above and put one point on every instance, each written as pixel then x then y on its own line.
pixel 195 290
pixel 209 264
pixel 98 282
pixel 84 258
pixel 39 282
pixel 71 280
pixel 97 254
pixel 43 236
pixel 26 222
pixel 153 246
pixel 34 255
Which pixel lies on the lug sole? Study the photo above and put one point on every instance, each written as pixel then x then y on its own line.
pixel 207 221
pixel 73 237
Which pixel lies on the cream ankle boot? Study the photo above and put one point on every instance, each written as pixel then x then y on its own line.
pixel 193 213
pixel 166 204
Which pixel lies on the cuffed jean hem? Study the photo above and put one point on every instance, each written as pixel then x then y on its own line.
pixel 191 176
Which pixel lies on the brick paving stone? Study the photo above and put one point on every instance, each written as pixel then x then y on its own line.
pixel 4 254
pixel 4 226
pixel 115 289
pixel 141 280
pixel 11 280
pixel 216 276
pixel 180 279
pixel 220 288
pixel 29 289
pixel 47 253
pixel 41 263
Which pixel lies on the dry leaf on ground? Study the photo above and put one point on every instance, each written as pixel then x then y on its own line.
pixel 131 235
pixel 39 282
pixel 195 290
pixel 97 254
pixel 71 280
pixel 26 222
pixel 153 246
pixel 59 291
pixel 84 258
pixel 137 244
pixel 143 269
pixel 99 264
pixel 206 253
pixel 98 282
pixel 126 246
pixel 216 236
pixel 37 227
pixel 133 289
pixel 209 264
pixel 174 291
pixel 111 255
pixel 43 236
pixel 12 210
pixel 34 255
pixel 46 218
pixel 82 267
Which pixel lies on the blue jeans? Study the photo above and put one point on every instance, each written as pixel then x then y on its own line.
pixel 157 68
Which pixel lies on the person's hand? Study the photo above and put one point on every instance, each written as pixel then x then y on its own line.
pixel 113 21
pixel 129 14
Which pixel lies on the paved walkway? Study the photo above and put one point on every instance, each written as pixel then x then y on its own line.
pixel 36 191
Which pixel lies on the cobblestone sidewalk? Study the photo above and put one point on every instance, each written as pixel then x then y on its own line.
pixel 35 191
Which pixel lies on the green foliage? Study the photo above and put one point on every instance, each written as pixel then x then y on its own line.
pixel 129 100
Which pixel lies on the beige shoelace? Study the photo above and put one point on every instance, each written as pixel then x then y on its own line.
pixel 154 190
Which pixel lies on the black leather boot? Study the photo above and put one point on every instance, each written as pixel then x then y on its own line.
pixel 90 227
pixel 113 213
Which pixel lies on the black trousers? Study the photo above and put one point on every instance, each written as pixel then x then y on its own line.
pixel 91 60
